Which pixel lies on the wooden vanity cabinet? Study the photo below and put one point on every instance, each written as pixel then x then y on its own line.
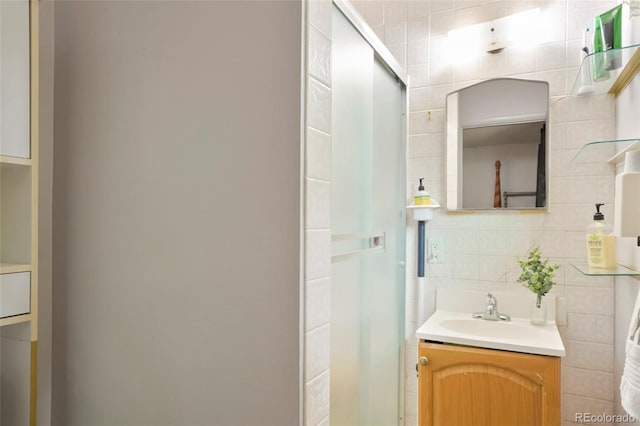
pixel 467 386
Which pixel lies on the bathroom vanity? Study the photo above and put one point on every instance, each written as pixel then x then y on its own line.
pixel 473 371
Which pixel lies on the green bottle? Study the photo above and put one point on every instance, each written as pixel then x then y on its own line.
pixel 598 61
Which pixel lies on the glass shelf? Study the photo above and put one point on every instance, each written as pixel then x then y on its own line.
pixel 612 81
pixel 612 151
pixel 618 271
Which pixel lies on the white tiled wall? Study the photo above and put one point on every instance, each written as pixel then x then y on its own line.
pixel 626 289
pixel 484 247
pixel 317 172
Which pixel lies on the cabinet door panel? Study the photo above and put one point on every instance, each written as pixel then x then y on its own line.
pixel 14 84
pixel 14 294
pixel 479 387
pixel 489 395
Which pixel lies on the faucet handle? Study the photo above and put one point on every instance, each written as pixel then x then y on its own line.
pixel 490 299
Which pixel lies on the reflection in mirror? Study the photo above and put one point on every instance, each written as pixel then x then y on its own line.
pixel 496 145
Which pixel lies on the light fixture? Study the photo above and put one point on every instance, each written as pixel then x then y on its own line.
pixel 518 30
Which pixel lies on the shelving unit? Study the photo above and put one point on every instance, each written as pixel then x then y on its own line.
pixel 19 211
pixel 613 152
pixel 618 79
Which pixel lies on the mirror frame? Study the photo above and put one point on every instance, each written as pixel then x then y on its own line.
pixel 453 150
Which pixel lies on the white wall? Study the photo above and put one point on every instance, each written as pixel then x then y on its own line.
pixel 177 213
pixel 317 253
pixel 484 247
pixel 626 289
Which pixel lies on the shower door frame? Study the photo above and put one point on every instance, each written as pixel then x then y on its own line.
pixel 386 58
pixel 378 46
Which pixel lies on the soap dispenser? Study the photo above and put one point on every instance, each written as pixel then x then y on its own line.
pixel 601 243
pixel 422 197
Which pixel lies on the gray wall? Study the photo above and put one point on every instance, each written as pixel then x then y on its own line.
pixel 176 213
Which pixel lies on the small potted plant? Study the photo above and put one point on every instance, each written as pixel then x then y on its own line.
pixel 537 275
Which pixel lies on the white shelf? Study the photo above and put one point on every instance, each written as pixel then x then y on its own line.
pixel 15 319
pixel 12 268
pixel 424 211
pixel 5 159
pixel 434 205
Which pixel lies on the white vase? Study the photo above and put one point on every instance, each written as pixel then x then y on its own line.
pixel 538 311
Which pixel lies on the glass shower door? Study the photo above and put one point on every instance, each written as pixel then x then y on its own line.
pixel 368 226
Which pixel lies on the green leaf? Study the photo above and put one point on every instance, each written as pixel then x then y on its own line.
pixel 537 275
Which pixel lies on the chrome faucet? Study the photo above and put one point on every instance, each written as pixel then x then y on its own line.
pixel 491 311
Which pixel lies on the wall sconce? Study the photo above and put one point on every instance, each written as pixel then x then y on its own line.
pixel 518 30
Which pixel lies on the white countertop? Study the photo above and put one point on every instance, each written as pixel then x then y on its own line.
pixel 517 335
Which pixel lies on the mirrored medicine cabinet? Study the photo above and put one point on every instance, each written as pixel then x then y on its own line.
pixel 496 146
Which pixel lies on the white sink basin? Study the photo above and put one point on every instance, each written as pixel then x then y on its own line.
pixel 483 328
pixel 516 335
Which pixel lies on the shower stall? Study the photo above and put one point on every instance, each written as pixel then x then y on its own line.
pixel 367 227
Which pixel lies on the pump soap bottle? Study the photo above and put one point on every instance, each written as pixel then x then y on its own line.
pixel 422 197
pixel 601 243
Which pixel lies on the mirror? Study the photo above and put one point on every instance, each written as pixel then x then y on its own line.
pixel 496 145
